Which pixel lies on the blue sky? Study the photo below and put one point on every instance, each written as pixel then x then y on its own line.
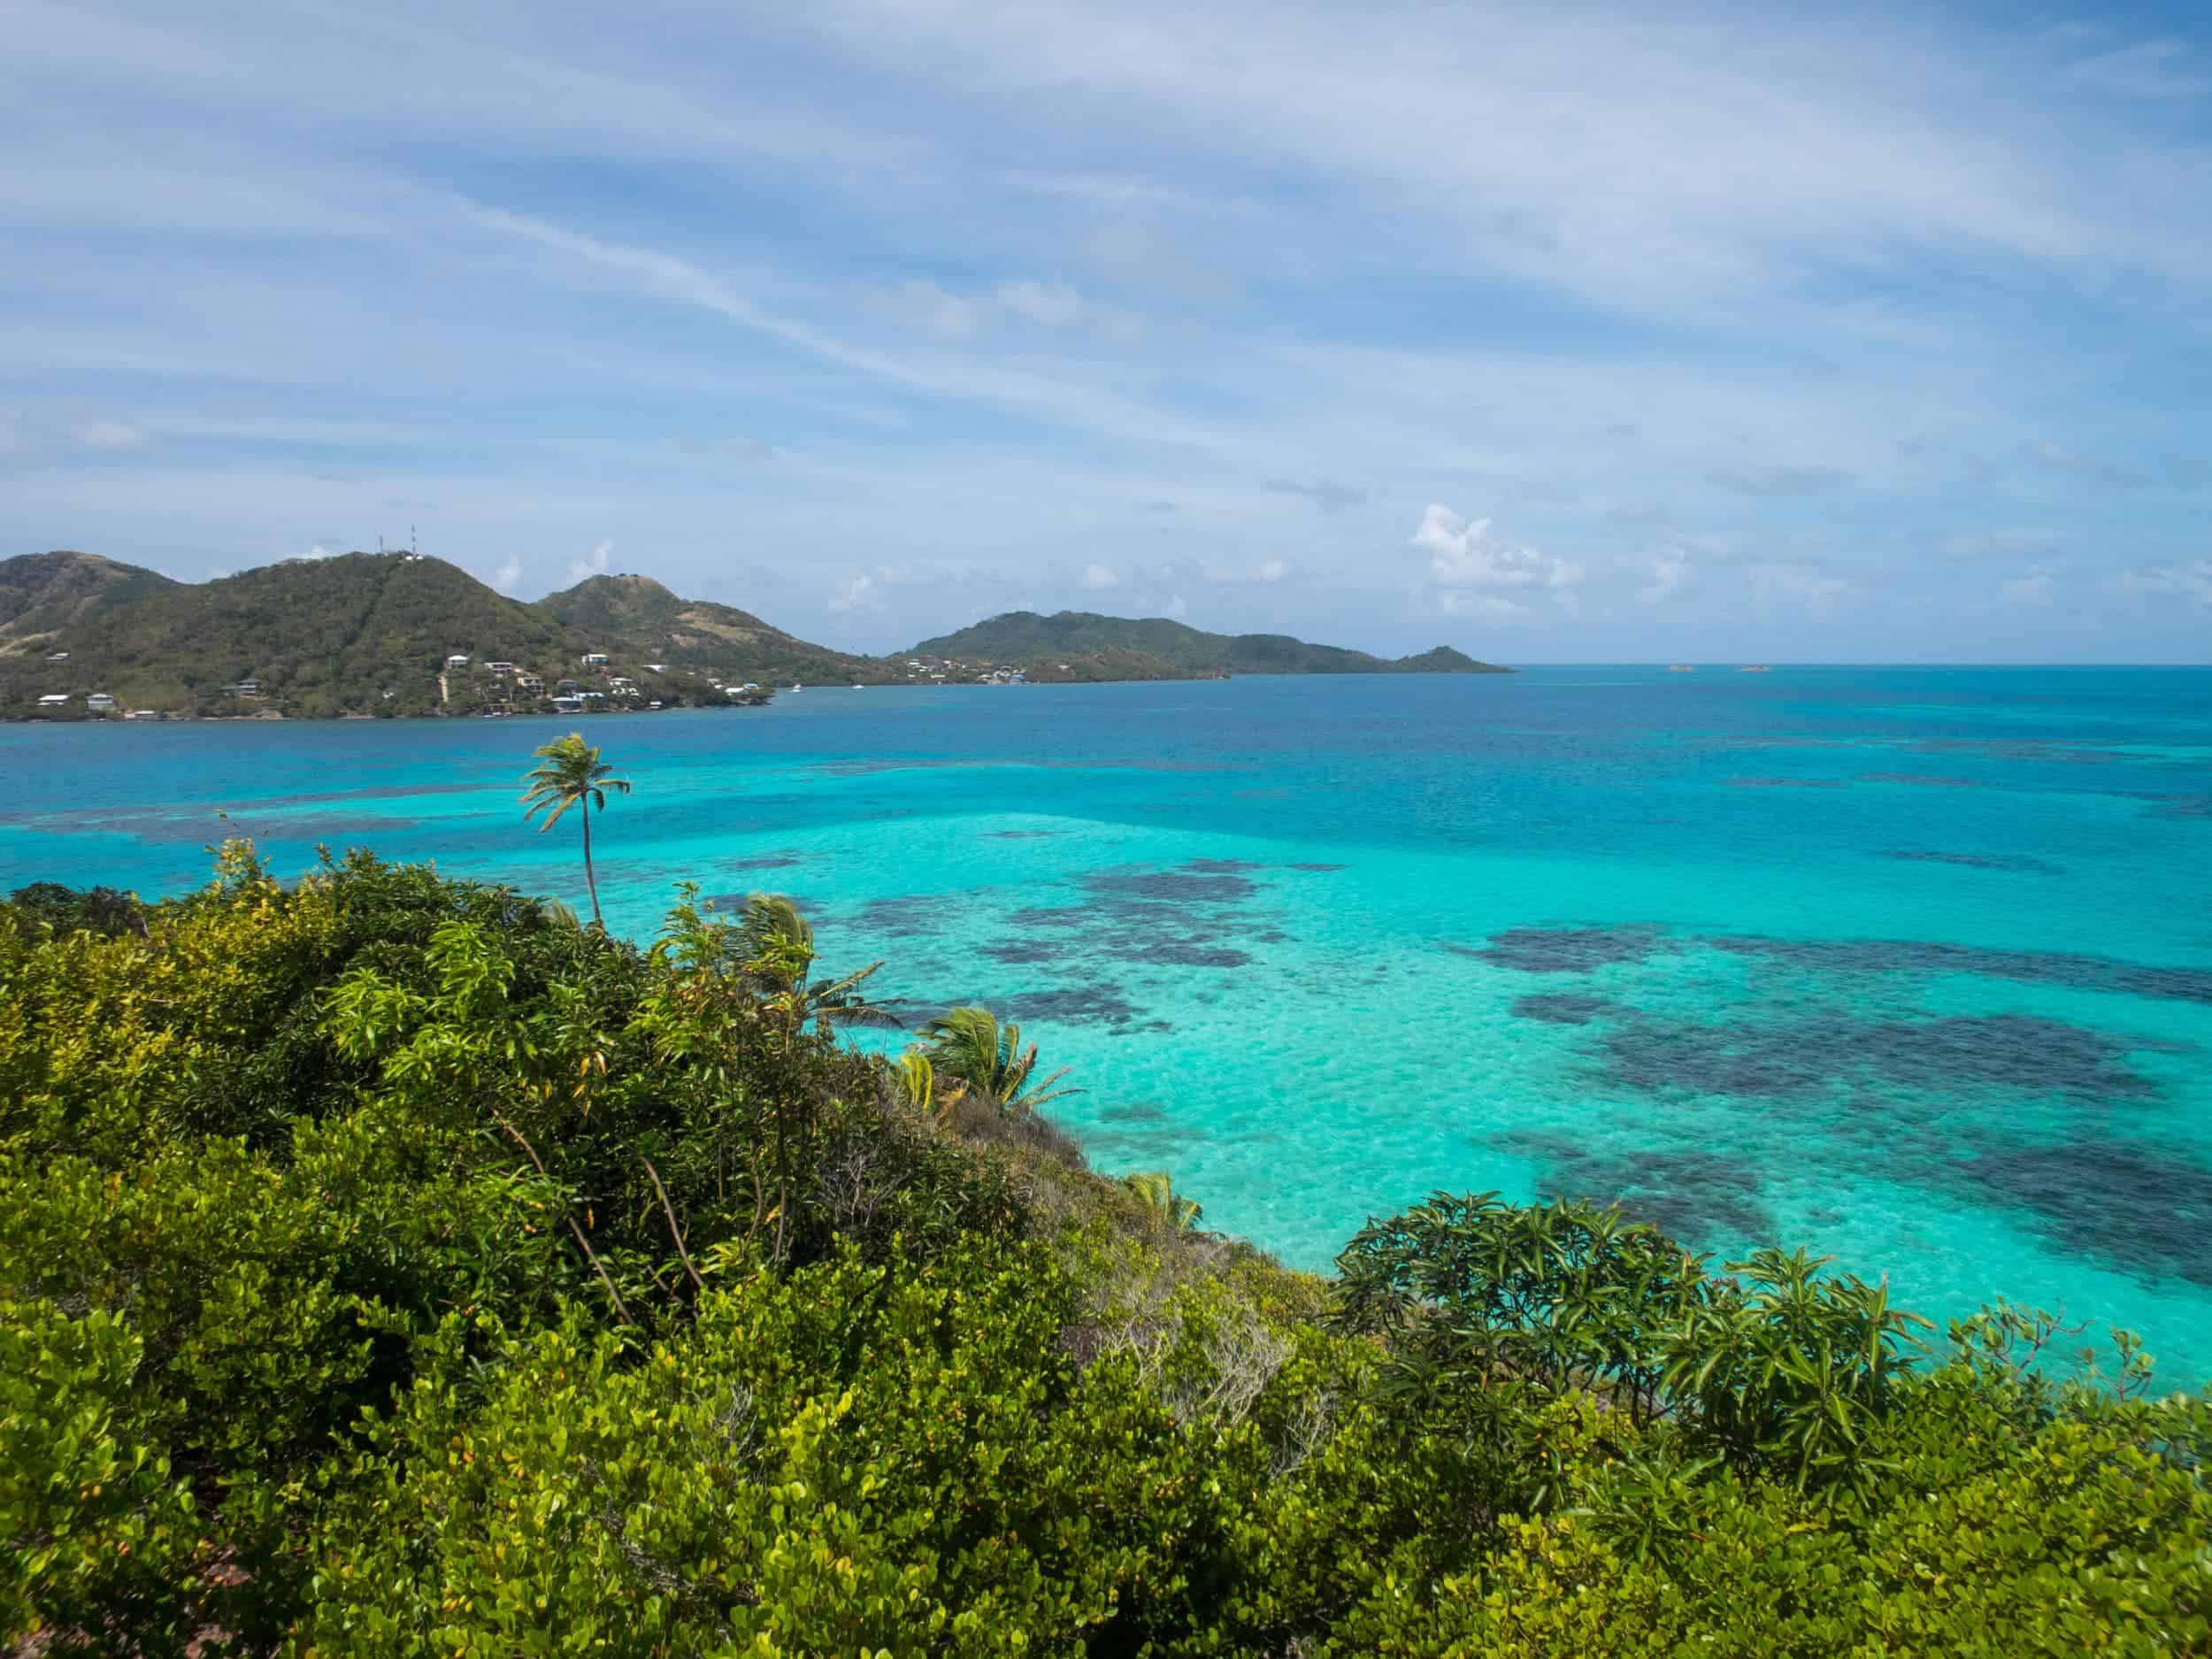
pixel 1558 333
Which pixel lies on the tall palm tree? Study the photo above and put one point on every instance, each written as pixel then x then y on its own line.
pixel 779 947
pixel 572 773
pixel 968 1043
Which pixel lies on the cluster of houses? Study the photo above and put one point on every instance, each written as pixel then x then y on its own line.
pixel 942 671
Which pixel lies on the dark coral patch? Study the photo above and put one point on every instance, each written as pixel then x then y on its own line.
pixel 1170 887
pixel 906 915
pixel 2147 1209
pixel 766 861
pixel 1783 783
pixel 1689 1193
pixel 1179 956
pixel 1027 950
pixel 1222 866
pixel 2011 1054
pixel 1317 869
pixel 1561 1009
pixel 1979 861
pixel 1025 835
pixel 1566 949
pixel 1910 955
pixel 1923 780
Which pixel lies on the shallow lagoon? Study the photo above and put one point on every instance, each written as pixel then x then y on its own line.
pixel 1911 965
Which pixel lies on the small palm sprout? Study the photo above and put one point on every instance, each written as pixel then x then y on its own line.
pixel 1155 1189
pixel 969 1044
pixel 572 773
pixel 778 944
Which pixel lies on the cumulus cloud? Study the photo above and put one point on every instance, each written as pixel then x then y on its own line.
pixel 1329 497
pixel 1667 569
pixel 1175 609
pixel 2181 581
pixel 585 569
pixel 509 575
pixel 1462 554
pixel 857 593
pixel 1100 577
pixel 1779 481
pixel 2032 589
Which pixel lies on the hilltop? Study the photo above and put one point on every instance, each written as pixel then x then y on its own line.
pixel 41 593
pixel 368 633
pixel 647 622
pixel 1093 646
pixel 313 637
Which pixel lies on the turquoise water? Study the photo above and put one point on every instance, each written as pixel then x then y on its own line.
pixel 1913 965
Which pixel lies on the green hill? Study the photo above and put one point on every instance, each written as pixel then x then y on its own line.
pixel 321 637
pixel 41 593
pixel 650 624
pixel 1084 641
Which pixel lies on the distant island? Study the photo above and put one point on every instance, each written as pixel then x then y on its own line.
pixel 388 635
pixel 1081 645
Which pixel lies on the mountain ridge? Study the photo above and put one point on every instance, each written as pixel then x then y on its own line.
pixel 360 635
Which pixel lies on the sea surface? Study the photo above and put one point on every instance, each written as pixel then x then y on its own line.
pixel 1913 966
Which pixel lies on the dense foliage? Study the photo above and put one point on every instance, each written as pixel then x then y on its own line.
pixel 392 1266
pixel 331 637
pixel 1025 639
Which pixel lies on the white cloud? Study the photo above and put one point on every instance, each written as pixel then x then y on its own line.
pixel 2027 590
pixel 2001 541
pixel 1668 569
pixel 2183 581
pixel 1462 554
pixel 930 307
pixel 509 575
pixel 1176 609
pixel 585 569
pixel 1054 304
pixel 857 593
pixel 1796 583
pixel 1100 577
pixel 1488 606
pixel 98 433
pixel 1260 571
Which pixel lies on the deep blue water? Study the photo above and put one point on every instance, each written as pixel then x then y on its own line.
pixel 1911 965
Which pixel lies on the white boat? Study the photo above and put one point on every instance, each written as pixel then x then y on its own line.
pixel 796 685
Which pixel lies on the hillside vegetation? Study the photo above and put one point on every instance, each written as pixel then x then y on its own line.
pixel 42 593
pixel 316 637
pixel 649 623
pixel 391 1266
pixel 1023 639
